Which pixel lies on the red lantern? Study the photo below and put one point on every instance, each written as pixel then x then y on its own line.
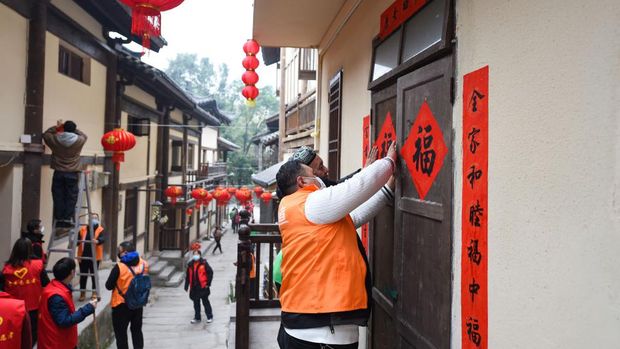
pixel 189 211
pixel 250 92
pixel 173 192
pixel 207 199
pixel 251 47
pixel 118 141
pixel 250 63
pixel 258 191
pixel 249 77
pixel 146 17
pixel 243 196
pixel 266 196
pixel 199 194
pixel 232 190
pixel 221 196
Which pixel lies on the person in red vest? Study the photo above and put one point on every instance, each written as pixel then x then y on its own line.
pixel 58 318
pixel 85 252
pixel 198 280
pixel 15 324
pixel 24 279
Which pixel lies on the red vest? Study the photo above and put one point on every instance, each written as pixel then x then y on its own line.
pixel 25 282
pixel 51 336
pixel 12 313
pixel 202 274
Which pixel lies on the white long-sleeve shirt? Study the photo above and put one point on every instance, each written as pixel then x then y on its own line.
pixel 362 196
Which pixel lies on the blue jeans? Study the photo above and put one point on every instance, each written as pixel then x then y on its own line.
pixel 65 192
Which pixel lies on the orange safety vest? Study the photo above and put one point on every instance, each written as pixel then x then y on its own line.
pixel 12 314
pixel 323 270
pixel 25 282
pixel 98 248
pixel 124 279
pixel 253 269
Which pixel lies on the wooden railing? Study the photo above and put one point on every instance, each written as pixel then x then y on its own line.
pixel 254 237
pixel 207 172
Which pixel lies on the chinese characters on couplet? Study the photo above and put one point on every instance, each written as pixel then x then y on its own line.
pixel 475 211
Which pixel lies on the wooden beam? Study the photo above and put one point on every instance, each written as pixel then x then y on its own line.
pixel 136 108
pixel 33 120
pixel 22 7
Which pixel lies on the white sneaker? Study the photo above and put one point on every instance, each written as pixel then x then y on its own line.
pixel 209 321
pixel 194 321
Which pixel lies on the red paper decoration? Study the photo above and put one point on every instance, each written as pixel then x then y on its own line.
pixel 146 17
pixel 118 141
pixel 221 196
pixel 173 192
pixel 266 196
pixel 250 78
pixel 386 135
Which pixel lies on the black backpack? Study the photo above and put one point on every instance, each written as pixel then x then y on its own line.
pixel 137 295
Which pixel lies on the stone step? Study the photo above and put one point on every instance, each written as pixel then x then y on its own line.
pixel 166 273
pixel 155 269
pixel 176 279
pixel 152 260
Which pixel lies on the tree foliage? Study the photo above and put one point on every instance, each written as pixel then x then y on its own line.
pixel 202 79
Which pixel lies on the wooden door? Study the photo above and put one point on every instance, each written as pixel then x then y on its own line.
pixel 423 243
pixel 381 244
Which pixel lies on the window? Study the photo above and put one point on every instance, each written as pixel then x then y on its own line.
pixel 131 213
pixel 139 127
pixel 190 156
pixel 177 149
pixel 73 65
pixel 335 116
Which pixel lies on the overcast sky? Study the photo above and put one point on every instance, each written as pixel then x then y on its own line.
pixel 210 28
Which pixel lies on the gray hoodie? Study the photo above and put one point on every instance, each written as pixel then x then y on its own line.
pixel 66 148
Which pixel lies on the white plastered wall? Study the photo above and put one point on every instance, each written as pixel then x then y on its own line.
pixel 10 207
pixel 554 169
pixel 13 39
pixel 76 13
pixel 135 166
pixel 351 51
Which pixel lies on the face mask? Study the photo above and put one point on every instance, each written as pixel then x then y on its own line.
pixel 195 257
pixel 314 180
pixel 42 230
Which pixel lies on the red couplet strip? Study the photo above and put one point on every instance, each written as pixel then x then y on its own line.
pixel 365 150
pixel 474 252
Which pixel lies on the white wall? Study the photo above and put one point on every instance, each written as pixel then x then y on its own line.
pixel 13 39
pixel 76 13
pixel 10 208
pixel 209 137
pixel 554 169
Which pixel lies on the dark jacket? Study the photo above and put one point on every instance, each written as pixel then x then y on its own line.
pixel 62 314
pixel 37 244
pixel 196 290
pixel 65 153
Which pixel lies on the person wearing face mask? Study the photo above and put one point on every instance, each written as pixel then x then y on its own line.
pixel 34 232
pixel 25 278
pixel 58 319
pixel 198 281
pixel 85 252
pixel 129 265
pixel 326 284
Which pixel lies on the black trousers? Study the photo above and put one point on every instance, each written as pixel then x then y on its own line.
pixel 86 266
pixel 65 191
pixel 217 245
pixel 34 317
pixel 206 304
pixel 287 341
pixel 122 317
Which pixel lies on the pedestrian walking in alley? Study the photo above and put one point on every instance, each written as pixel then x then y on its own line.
pixel 217 235
pixel 234 219
pixel 15 321
pixel 66 143
pixel 34 232
pixel 85 251
pixel 124 310
pixel 24 279
pixel 58 318
pixel 198 281
pixel 326 286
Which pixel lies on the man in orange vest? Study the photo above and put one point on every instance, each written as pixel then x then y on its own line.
pixel 58 318
pixel 326 285
pixel 119 280
pixel 85 253
pixel 14 322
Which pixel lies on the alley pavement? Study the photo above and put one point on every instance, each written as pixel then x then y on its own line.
pixel 166 321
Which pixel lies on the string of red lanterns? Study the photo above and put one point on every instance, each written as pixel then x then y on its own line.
pixel 173 192
pixel 250 77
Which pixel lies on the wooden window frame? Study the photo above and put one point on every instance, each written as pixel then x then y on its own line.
pixel 73 64
pixel 334 100
pixel 131 194
pixel 176 167
pixel 138 126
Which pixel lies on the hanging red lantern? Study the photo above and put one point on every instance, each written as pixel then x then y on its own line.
pixel 199 194
pixel 207 199
pixel 243 196
pixel 189 211
pixel 249 77
pixel 266 196
pixel 258 191
pixel 250 63
pixel 221 196
pixel 173 192
pixel 251 47
pixel 146 17
pixel 250 92
pixel 232 190
pixel 118 141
